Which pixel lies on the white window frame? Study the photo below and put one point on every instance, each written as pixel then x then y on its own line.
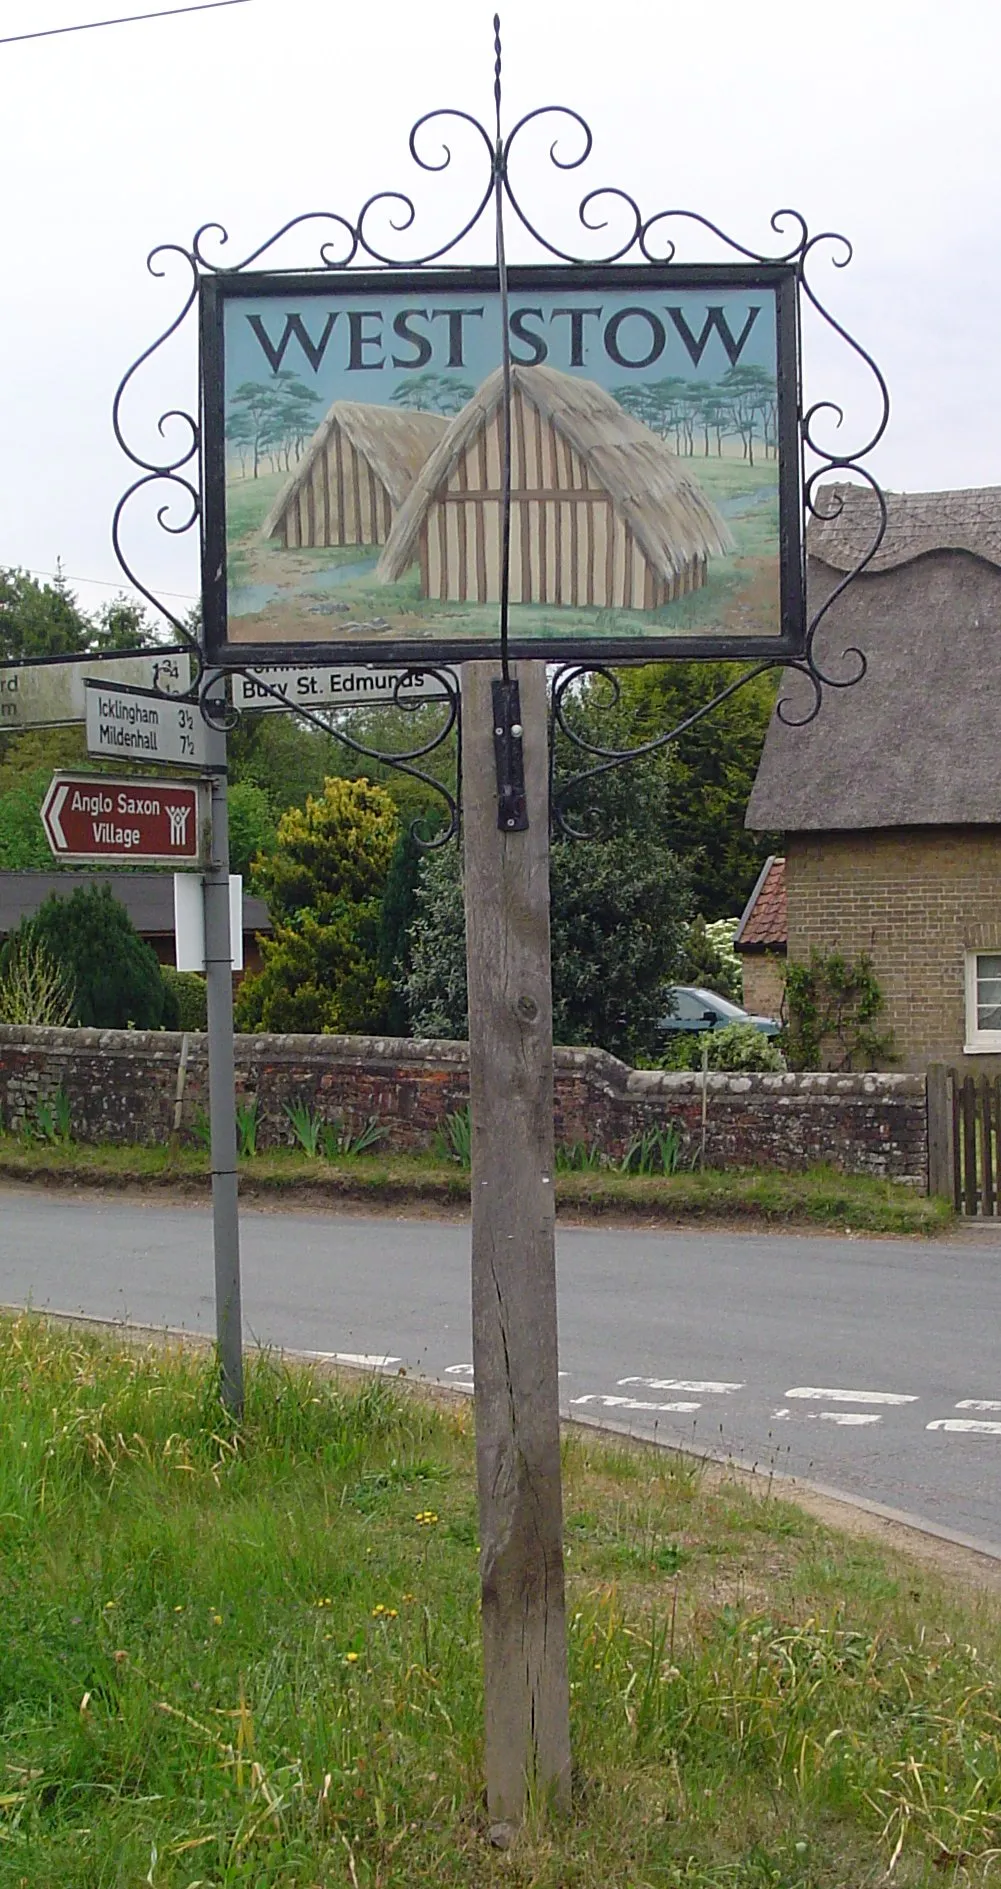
pixel 979 1042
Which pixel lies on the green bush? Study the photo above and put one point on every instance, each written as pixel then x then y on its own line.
pixel 113 973
pixel 739 1046
pixel 186 999
pixel 324 886
pixel 736 1047
pixel 33 987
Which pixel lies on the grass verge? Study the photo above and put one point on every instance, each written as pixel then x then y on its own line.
pixel 247 1658
pixel 819 1198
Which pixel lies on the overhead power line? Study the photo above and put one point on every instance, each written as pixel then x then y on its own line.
pixel 103 583
pixel 127 19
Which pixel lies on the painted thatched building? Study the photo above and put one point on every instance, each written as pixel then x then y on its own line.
pixel 353 476
pixel 603 513
pixel 890 801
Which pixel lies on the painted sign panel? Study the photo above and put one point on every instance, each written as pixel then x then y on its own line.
pixel 141 726
pixel 355 430
pixel 94 816
pixel 325 686
pixel 48 694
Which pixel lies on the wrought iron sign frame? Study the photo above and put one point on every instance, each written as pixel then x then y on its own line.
pixel 179 474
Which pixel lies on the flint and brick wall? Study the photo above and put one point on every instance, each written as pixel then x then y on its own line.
pixel 916 899
pixel 122 1087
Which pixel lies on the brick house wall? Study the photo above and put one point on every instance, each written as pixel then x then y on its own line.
pixel 763 981
pixel 916 899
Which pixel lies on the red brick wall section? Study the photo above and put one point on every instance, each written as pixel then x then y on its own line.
pixel 122 1084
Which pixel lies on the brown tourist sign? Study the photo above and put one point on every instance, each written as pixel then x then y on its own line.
pixel 95 817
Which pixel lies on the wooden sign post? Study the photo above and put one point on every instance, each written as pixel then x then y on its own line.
pixel 514 1262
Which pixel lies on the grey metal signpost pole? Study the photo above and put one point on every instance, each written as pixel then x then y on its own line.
pixel 222 1095
pixel 513 1258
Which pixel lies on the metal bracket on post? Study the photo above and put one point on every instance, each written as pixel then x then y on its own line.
pixel 512 806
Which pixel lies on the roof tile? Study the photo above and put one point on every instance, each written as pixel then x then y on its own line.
pixel 764 925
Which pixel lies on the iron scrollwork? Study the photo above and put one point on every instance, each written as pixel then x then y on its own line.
pixel 615 219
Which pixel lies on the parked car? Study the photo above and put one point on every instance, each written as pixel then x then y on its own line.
pixel 693 1009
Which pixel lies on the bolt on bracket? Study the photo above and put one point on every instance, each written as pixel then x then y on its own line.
pixel 512 809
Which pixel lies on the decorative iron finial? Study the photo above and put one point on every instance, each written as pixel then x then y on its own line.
pixel 497 75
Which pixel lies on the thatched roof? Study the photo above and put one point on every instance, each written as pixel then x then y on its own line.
pixel 917 522
pixel 665 508
pixel 395 441
pixel 913 743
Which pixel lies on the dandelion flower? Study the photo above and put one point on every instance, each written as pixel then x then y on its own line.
pixel 350 1659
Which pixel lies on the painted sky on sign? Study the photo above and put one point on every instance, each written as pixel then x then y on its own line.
pixel 633 336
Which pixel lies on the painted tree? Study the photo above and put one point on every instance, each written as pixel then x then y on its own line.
pixel 432 393
pixel 750 392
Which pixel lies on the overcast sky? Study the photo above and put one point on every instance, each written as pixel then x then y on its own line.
pixel 878 117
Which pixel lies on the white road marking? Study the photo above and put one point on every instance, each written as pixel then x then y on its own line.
pixel 849 1397
pixel 854 1417
pixel 466 1370
pixel 779 1415
pixel 978 1403
pixel 629 1403
pixel 369 1360
pixel 684 1384
pixel 965 1423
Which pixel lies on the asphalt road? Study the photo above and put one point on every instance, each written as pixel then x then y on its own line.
pixel 869 1365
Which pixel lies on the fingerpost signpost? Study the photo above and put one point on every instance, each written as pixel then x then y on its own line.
pixel 408 466
pixel 94 817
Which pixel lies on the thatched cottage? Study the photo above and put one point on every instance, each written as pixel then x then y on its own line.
pixel 603 513
pixel 890 800
pixel 353 476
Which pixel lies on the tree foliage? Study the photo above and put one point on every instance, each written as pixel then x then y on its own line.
pixel 619 902
pixel 113 973
pixel 708 959
pixel 44 619
pixel 39 619
pixel 617 916
pixel 324 884
pixel 284 757
pixel 252 827
pixel 712 771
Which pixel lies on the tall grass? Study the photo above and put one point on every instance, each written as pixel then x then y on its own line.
pixel 248 1657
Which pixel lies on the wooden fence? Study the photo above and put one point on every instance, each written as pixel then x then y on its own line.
pixel 964 1140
